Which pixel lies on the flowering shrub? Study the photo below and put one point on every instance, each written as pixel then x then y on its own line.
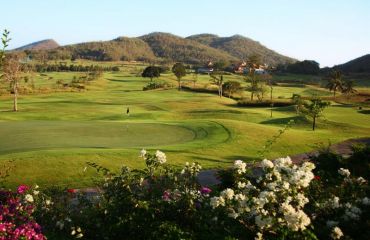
pixel 16 215
pixel 272 202
pixel 157 202
pixel 276 200
pixel 340 200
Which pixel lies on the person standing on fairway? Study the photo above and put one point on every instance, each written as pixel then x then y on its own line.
pixel 128 114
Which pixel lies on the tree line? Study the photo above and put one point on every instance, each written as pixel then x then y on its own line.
pixel 73 68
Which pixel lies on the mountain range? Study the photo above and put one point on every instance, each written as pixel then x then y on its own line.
pixel 195 49
pixel 166 47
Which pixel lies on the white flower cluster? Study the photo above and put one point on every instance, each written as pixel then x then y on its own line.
pixel 296 219
pixel 267 164
pixel 143 153
pixel 344 172
pixel 275 200
pixel 336 233
pixel 191 169
pixel 160 157
pixel 351 212
pixel 365 201
pixel 331 203
pixel 240 166
pixel 76 232
pixel 29 198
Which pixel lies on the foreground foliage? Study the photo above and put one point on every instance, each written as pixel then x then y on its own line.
pixel 319 199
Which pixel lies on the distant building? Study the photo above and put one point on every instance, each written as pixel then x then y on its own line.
pixel 260 71
pixel 240 67
pixel 204 70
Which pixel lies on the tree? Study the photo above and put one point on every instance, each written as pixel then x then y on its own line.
pixel 298 102
pixel 151 72
pixel 220 65
pixel 270 83
pixel 12 74
pixel 262 81
pixel 348 88
pixel 179 70
pixel 304 67
pixel 217 79
pixel 5 41
pixel 195 78
pixel 29 75
pixel 253 63
pixel 261 90
pixel 253 88
pixel 335 82
pixel 314 109
pixel 231 87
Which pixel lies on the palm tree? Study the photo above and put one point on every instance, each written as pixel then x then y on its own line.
pixel 348 87
pixel 335 82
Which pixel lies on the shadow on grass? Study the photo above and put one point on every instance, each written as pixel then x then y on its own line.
pixel 212 111
pixel 285 109
pixel 297 120
pixel 240 157
pixel 199 158
pixel 117 80
pixel 6 110
pixel 364 111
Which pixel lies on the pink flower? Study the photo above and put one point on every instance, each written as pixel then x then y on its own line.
pixel 205 190
pixel 22 188
pixel 166 196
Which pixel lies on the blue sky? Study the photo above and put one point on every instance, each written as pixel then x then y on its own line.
pixel 330 32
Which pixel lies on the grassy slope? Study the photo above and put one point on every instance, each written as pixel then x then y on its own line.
pixel 55 134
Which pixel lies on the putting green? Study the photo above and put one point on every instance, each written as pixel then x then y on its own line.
pixel 42 135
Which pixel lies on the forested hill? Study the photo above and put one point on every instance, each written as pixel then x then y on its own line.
pixel 358 65
pixel 196 49
pixel 241 47
pixel 174 48
pixel 46 44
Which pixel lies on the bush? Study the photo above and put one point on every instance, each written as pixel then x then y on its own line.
pixel 277 200
pixel 154 85
pixel 16 215
pixel 276 103
pixel 339 198
pixel 115 69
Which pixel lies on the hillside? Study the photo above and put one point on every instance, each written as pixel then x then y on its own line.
pixel 40 45
pixel 196 49
pixel 358 65
pixel 175 48
pixel 122 48
pixel 242 47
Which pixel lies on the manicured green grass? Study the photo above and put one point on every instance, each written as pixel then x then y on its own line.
pixel 54 134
